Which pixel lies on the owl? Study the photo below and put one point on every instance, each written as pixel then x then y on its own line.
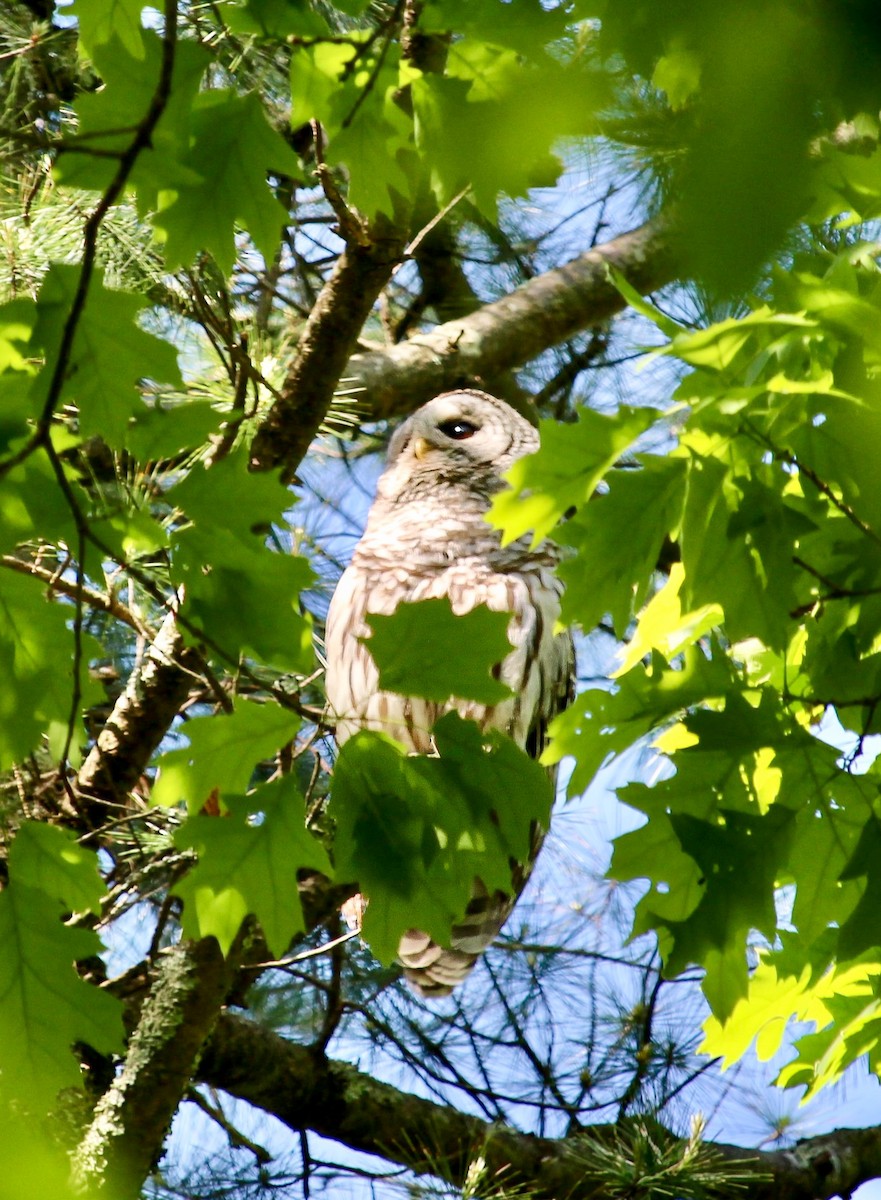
pixel 427 537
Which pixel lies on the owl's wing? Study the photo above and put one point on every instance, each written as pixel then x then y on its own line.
pixel 557 693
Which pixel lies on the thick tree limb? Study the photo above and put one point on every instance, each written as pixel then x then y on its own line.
pixel 330 335
pixel 509 332
pixel 307 1091
pixel 140 720
pixel 130 1122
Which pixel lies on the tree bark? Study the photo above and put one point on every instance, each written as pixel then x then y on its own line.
pixel 337 1101
pixel 539 314
pixel 331 333
pixel 497 337
pixel 131 1120
pixel 139 721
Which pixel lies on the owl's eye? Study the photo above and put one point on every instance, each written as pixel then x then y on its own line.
pixel 457 429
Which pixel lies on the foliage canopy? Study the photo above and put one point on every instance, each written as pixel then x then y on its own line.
pixel 231 228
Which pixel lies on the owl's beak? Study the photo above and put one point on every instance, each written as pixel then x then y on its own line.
pixel 421 447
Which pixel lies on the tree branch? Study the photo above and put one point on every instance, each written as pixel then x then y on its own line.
pixel 140 719
pixel 130 1122
pixel 509 332
pixel 329 337
pixel 307 1091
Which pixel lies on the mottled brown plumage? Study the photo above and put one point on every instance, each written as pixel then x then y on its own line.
pixel 426 537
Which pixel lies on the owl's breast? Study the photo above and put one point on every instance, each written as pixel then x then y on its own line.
pixel 356 702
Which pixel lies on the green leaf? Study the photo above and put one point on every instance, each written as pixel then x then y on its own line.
pixel 565 472
pixel 839 307
pixel 36 648
pixel 33 506
pixel 639 303
pixel 245 599
pixel 515 112
pixel 837 451
pixel 111 354
pixel 353 91
pixel 619 538
pixel 16 410
pixel 486 766
pixel 369 148
pixel 44 1004
pixel 32 1164
pixel 109 117
pixel 853 1032
pixel 751 788
pixel 158 433
pixel 222 754
pixel 274 18
pixel 600 724
pixel 526 26
pixel 678 74
pixel 352 7
pixel 846 183
pixel 244 596
pixel 860 932
pixel 739 857
pixel 665 628
pixel 51 860
pixel 130 532
pixel 233 146
pixel 414 832
pixel 319 75
pixel 425 649
pixel 248 863
pixel 251 502
pixel 16 323
pixel 782 988
pixel 718 346
pixel 835 807
pixel 100 21
pixel 739 541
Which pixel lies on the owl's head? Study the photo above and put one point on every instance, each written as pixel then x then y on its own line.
pixel 464 437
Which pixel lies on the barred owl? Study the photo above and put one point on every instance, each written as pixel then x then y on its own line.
pixel 426 537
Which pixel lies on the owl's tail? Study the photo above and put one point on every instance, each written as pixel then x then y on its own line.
pixel 432 970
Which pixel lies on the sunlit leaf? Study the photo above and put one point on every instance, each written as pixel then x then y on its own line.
pixel 36 668
pixel 619 537
pixel 248 863
pixel 110 355
pixel 222 753
pixel 51 860
pixel 110 116
pixel 45 1006
pixel 232 149
pixel 100 21
pixel 565 472
pixel 415 831
pixel 272 18
pixel 425 649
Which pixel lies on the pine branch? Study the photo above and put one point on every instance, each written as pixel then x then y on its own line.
pixel 509 332
pixel 484 344
pixel 337 1101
